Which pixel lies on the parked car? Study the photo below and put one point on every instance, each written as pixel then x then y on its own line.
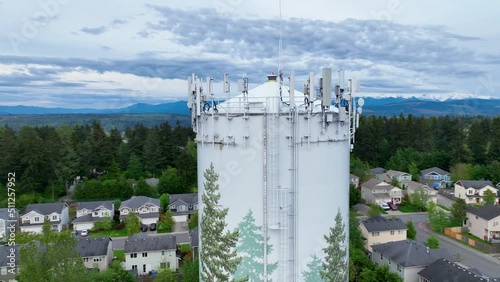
pixel 84 233
pixel 144 227
pixel 152 226
pixel 392 206
pixel 384 206
pixel 74 232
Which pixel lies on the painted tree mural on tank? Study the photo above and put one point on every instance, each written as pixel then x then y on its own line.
pixel 335 263
pixel 250 248
pixel 219 259
pixel 313 273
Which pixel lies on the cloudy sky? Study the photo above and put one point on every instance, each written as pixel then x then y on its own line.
pixel 109 54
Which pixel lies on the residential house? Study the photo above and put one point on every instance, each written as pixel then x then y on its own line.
pixel 146 208
pixel 379 230
pixel 484 222
pixel 96 252
pixel 406 258
pixel 375 191
pixel 8 222
pixel 354 180
pixel 377 171
pixel 444 270
pixel 34 215
pixel 87 213
pixel 7 271
pixel 391 175
pixel 183 205
pixel 435 177
pixel 413 186
pixel 472 191
pixel 145 253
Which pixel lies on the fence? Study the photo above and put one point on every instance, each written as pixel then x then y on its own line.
pixel 455 233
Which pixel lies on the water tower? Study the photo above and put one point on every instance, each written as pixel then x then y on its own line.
pixel 281 155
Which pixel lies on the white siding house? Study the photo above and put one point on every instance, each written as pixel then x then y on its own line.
pixel 472 191
pixel 146 208
pixel 87 213
pixel 34 215
pixel 96 252
pixel 183 205
pixel 145 253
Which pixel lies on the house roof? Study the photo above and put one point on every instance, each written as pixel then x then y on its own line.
pixel 392 173
pixel 409 253
pixel 91 247
pixel 476 184
pixel 6 215
pixel 142 215
pixel 138 201
pixel 377 170
pixel 88 218
pixel 94 205
pixel 487 212
pixel 193 233
pixel 183 238
pixel 445 270
pixel 437 170
pixel 45 209
pixel 189 199
pixel 377 184
pixel 413 185
pixel 5 252
pixel 380 223
pixel 144 243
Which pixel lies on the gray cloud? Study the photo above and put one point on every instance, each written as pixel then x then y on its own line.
pixel 94 30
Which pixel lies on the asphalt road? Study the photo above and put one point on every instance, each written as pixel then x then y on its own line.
pixel 486 264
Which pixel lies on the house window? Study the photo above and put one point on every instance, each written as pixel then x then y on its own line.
pixel 133 255
pixel 143 268
pixel 381 256
pixel 144 255
pixel 399 268
pixel 392 232
pixel 476 217
pixel 97 259
pixel 3 271
pixel 37 219
pixel 163 264
pixel 162 253
pixel 54 217
pixel 389 262
pixel 400 232
pixel 134 267
pixel 375 234
pixel 85 259
pixel 182 208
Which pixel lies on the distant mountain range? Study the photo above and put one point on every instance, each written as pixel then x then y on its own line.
pixel 377 106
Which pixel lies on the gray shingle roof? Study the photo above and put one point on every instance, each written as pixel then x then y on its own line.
pixel 377 184
pixel 5 214
pixel 377 170
pixel 5 252
pixel 91 247
pixel 88 218
pixel 443 270
pixel 189 199
pixel 380 223
pixel 476 184
pixel 45 209
pixel 145 243
pixel 410 253
pixel 138 201
pixel 94 205
pixel 487 212
pixel 434 169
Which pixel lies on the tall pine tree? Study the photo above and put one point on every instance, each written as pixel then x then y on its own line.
pixel 218 255
pixel 251 249
pixel 335 264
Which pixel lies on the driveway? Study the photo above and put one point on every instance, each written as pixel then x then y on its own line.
pixel 442 200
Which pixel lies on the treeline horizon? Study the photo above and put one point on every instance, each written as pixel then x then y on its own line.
pixel 468 147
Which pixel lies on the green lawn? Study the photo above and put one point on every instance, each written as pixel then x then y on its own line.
pixel 444 207
pixel 110 233
pixel 407 208
pixel 119 254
